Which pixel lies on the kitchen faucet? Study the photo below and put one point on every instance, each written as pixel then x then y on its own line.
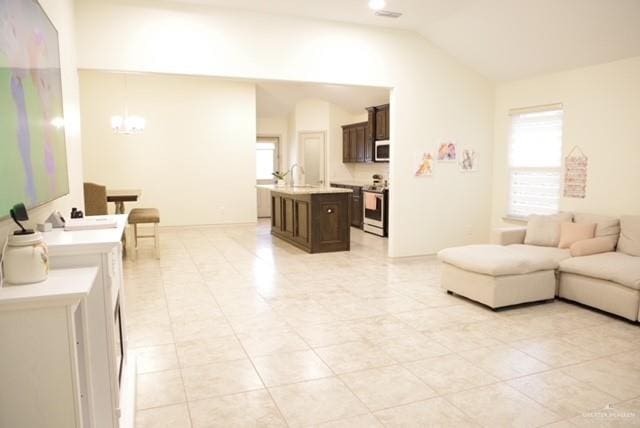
pixel 291 172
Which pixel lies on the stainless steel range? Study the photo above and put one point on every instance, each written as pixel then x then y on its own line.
pixel 375 209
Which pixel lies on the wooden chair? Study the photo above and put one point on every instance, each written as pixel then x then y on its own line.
pixel 146 216
pixel 95 199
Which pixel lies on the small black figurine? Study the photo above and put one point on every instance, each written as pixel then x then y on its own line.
pixel 76 213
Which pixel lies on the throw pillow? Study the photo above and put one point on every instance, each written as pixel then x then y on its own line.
pixel 573 232
pixel 607 226
pixel 629 242
pixel 544 230
pixel 591 246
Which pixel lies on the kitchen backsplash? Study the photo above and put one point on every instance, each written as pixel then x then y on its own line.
pixel 364 171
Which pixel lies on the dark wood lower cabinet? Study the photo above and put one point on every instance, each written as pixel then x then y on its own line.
pixel 356 209
pixel 357 219
pixel 316 223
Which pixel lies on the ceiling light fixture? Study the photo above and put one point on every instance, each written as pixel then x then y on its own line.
pixel 387 14
pixel 377 4
pixel 127 124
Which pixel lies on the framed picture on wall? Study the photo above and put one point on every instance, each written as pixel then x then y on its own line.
pixel 425 169
pixel 33 152
pixel 447 151
pixel 468 160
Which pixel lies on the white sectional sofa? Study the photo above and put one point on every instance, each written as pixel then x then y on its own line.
pixel 525 265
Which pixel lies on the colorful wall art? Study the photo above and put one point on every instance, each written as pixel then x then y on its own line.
pixel 447 151
pixel 33 155
pixel 426 166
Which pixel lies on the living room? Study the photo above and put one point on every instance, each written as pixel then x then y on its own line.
pixel 226 324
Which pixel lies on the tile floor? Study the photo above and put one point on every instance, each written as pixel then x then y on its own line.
pixel 233 328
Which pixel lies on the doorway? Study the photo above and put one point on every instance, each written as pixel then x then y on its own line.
pixel 267 161
pixel 314 163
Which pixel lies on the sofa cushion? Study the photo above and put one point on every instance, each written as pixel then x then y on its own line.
pixel 629 242
pixel 574 232
pixel 498 260
pixel 606 226
pixel 544 258
pixel 613 266
pixel 591 246
pixel 544 230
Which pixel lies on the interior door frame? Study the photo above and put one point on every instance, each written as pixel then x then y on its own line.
pixel 325 149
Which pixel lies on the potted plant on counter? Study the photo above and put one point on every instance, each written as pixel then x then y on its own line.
pixel 280 176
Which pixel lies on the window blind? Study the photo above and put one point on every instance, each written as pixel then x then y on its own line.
pixel 535 162
pixel 266 158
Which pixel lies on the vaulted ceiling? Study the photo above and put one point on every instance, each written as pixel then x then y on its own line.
pixel 277 99
pixel 501 39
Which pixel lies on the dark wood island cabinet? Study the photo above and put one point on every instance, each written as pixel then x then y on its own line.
pixel 356 202
pixel 316 220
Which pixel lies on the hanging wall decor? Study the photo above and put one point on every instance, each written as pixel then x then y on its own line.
pixel 447 151
pixel 575 178
pixel 426 166
pixel 468 160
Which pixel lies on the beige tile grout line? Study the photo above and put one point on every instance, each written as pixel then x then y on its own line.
pixel 335 375
pixel 402 363
pixel 184 389
pixel 235 335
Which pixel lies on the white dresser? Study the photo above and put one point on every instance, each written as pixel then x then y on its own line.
pixel 45 378
pixel 111 381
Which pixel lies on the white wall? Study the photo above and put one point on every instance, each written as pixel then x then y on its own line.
pixel 337 118
pixel 433 95
pixel 601 116
pixel 195 161
pixel 61 13
pixel 311 115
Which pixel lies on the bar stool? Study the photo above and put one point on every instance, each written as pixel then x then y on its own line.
pixel 145 216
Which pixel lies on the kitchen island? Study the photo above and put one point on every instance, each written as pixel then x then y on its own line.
pixel 314 219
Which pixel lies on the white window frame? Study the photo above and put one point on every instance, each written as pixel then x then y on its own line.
pixel 511 169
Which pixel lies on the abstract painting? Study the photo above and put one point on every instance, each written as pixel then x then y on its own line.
pixel 33 156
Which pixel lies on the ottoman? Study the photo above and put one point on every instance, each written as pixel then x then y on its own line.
pixel 498 276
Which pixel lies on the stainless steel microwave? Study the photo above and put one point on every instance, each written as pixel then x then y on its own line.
pixel 381 152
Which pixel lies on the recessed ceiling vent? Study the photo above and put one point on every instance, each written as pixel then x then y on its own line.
pixel 388 14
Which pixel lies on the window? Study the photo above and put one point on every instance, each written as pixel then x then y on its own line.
pixel 266 158
pixel 535 162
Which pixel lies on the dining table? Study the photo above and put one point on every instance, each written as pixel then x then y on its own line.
pixel 120 196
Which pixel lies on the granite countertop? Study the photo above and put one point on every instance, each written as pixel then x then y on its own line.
pixel 302 190
pixel 351 183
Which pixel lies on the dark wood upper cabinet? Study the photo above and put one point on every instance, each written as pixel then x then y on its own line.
pixel 382 122
pixel 371 137
pixel 361 138
pixel 354 142
pixel 358 139
pixel 346 148
pixel 353 137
